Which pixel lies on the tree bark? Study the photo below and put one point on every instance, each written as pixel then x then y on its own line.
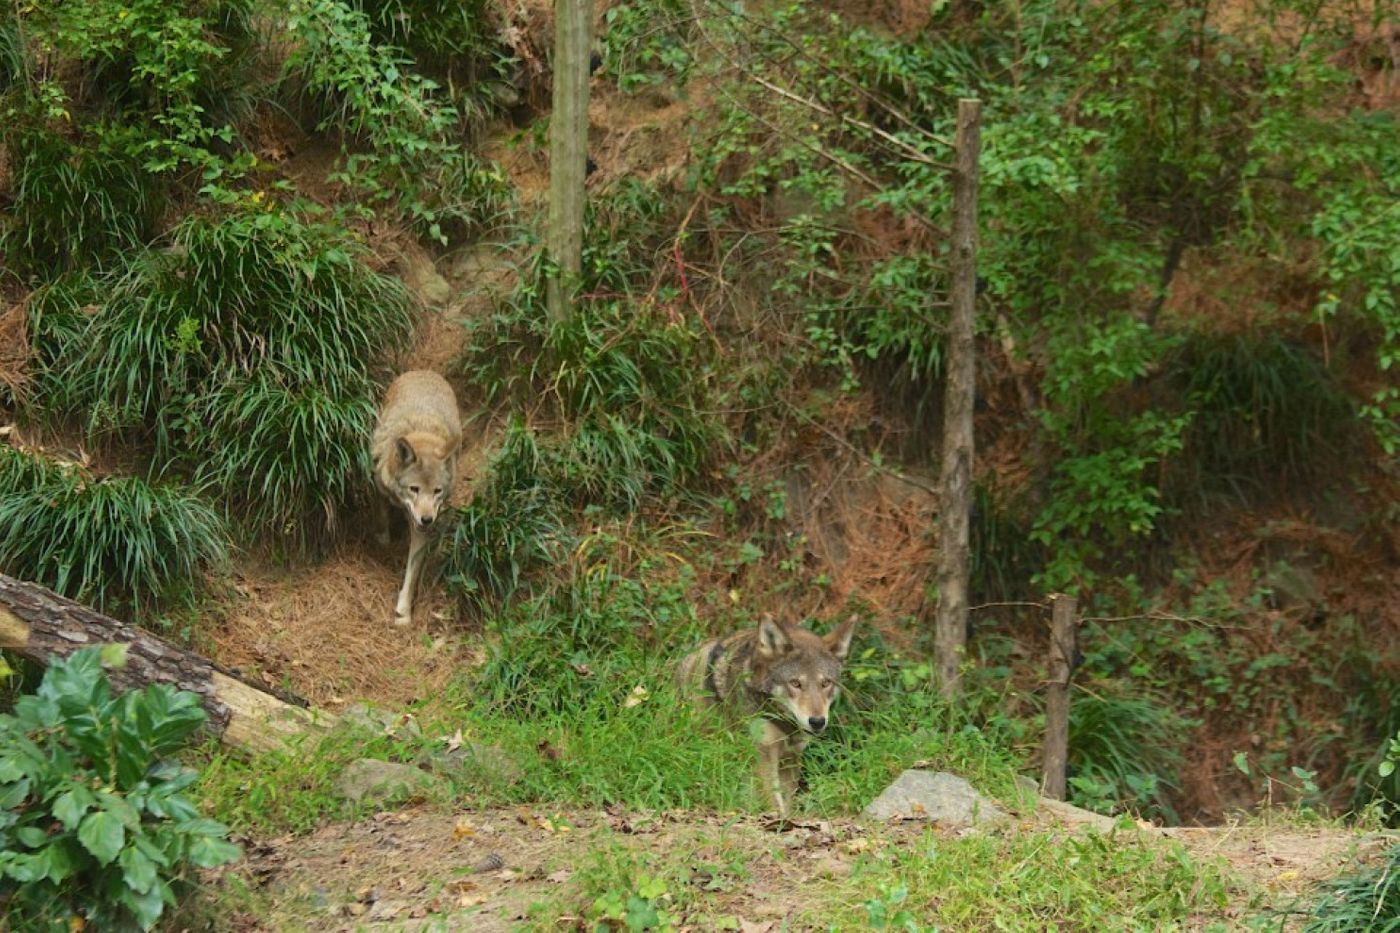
pixel 38 624
pixel 955 494
pixel 568 152
pixel 1055 757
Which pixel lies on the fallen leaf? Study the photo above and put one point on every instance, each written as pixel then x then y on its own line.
pixel 558 877
pixel 454 741
pixel 463 829
pixel 636 698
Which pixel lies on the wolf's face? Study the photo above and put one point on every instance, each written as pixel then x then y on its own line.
pixel 803 670
pixel 422 478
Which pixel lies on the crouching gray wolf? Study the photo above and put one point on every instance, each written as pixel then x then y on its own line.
pixel 784 674
pixel 415 458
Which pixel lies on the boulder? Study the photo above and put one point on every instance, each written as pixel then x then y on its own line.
pixel 935 796
pixel 369 780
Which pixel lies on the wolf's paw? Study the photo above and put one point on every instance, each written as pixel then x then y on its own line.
pixel 402 618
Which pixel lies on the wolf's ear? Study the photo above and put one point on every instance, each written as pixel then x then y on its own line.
pixel 839 641
pixel 405 452
pixel 772 640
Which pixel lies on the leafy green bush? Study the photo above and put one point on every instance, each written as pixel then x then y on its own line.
pixel 116 540
pixel 447 38
pixel 410 157
pixel 94 826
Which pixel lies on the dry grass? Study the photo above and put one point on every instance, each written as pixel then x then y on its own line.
pixel 325 632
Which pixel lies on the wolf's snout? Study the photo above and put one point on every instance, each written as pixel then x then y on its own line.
pixel 424 521
pixel 818 723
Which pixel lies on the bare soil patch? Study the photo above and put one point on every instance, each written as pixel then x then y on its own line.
pixel 504 868
pixel 325 632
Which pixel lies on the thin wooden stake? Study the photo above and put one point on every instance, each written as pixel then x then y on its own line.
pixel 568 152
pixel 955 495
pixel 1064 621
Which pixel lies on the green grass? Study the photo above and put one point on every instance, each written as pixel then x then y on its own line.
pixel 74 206
pixel 108 541
pixel 1027 881
pixel 290 459
pixel 1361 901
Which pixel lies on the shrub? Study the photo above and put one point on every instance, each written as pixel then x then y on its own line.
pixel 249 350
pixel 75 206
pixel 289 458
pixel 410 157
pixel 94 826
pixel 117 540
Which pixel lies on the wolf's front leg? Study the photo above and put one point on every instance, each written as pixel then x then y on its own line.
pixel 790 767
pixel 417 553
pixel 770 751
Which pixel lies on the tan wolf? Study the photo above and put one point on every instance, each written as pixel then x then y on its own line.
pixel 414 449
pixel 784 674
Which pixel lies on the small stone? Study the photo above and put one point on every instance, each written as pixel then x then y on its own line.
pixel 374 781
pixel 938 797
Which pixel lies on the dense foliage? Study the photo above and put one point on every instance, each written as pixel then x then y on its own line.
pixel 1188 320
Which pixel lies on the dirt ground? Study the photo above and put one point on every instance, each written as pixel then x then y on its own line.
pixel 499 869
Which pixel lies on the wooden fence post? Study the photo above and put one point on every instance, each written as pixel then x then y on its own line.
pixel 568 152
pixel 955 482
pixel 1063 624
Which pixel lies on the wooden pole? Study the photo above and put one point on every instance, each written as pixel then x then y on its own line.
pixel 955 495
pixel 568 152
pixel 1063 624
pixel 38 624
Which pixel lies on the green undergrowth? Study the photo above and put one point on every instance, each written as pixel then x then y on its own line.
pixel 115 542
pixel 1027 881
pixel 246 352
pixel 1363 900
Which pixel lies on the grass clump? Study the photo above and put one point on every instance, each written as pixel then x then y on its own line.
pixel 1126 750
pixel 1363 900
pixel 248 352
pixel 289 457
pixel 1264 408
pixel 74 206
pixel 114 541
pixel 1027 881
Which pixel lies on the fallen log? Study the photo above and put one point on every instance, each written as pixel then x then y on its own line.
pixel 37 623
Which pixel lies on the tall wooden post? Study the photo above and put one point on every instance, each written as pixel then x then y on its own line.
pixel 568 151
pixel 1063 636
pixel 955 493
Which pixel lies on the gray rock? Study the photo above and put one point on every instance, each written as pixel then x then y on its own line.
pixel 381 721
pixel 935 796
pixel 369 780
pixel 1071 815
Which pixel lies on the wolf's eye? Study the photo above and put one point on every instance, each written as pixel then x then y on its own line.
pixel 826 683
pixel 413 489
pixel 795 684
pixel 438 491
